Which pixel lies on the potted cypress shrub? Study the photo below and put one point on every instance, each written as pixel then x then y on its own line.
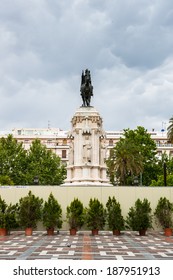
pixel 139 217
pixel 52 214
pixel 95 216
pixel 115 219
pixel 29 212
pixel 3 217
pixel 164 215
pixel 75 215
pixel 7 217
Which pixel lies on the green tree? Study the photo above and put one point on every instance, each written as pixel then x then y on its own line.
pixel 7 215
pixel 111 167
pixel 5 180
pixel 12 161
pixel 127 161
pixel 133 155
pixel 115 219
pixel 29 210
pixel 45 164
pixel 164 213
pixel 139 216
pixel 142 138
pixel 75 214
pixel 170 130
pixel 95 214
pixel 52 213
pixel 159 180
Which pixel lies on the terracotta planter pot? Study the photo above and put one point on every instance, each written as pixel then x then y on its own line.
pixel 116 232
pixel 95 231
pixel 73 231
pixel 28 231
pixel 50 231
pixel 3 231
pixel 142 232
pixel 168 231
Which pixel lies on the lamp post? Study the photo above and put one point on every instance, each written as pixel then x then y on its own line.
pixel 164 173
pixel 140 178
pixel 36 180
pixel 136 181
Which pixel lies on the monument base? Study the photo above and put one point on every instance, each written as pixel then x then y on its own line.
pixel 87 150
pixel 86 184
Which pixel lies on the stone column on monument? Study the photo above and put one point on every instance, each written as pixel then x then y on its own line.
pixel 103 151
pixel 71 153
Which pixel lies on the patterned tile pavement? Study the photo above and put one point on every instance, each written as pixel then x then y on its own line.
pixel 128 246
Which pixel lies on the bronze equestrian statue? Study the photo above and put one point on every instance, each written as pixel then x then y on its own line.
pixel 86 88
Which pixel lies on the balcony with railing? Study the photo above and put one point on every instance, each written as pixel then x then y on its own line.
pixel 164 145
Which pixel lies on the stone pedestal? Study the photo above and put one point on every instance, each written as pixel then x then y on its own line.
pixel 87 150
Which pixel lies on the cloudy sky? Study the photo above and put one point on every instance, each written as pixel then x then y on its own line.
pixel 126 44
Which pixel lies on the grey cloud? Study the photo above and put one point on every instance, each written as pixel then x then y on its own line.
pixel 45 44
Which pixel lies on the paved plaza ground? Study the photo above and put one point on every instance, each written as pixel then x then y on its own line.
pixel 128 246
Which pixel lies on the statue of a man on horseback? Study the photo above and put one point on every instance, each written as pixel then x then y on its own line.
pixel 86 88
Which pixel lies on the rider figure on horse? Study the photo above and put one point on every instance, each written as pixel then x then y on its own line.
pixel 86 88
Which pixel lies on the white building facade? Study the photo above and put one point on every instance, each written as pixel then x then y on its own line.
pixel 59 141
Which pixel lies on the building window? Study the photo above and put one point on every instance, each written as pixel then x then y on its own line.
pixel 64 142
pixel 171 154
pixel 64 153
pixel 111 142
pixel 159 154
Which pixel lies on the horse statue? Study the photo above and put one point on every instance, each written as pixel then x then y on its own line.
pixel 86 88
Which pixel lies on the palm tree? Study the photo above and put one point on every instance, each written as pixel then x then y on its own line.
pixel 111 166
pixel 127 161
pixel 170 130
